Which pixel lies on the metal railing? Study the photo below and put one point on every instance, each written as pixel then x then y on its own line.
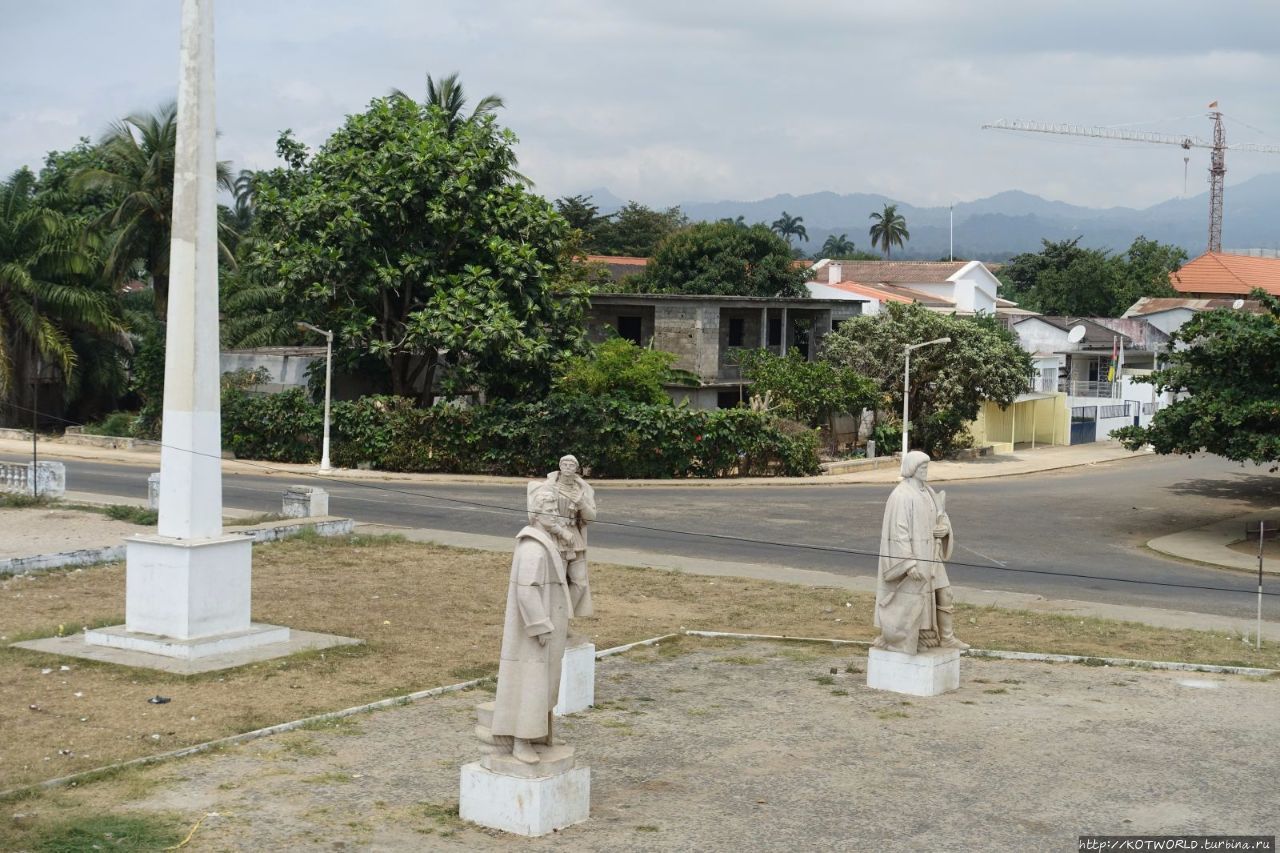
pixel 1088 388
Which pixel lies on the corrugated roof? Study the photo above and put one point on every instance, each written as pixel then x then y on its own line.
pixel 899 272
pixel 1216 272
pixel 1155 304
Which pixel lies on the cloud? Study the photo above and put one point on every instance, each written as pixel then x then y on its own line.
pixel 668 101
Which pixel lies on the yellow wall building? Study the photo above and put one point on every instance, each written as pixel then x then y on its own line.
pixel 1032 420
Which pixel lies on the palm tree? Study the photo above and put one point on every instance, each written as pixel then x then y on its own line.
pixel 138 155
pixel 739 221
pixel 838 247
pixel 449 96
pixel 889 229
pixel 46 295
pixel 789 226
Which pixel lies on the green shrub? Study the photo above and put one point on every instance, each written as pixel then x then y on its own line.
pixel 119 424
pixel 610 436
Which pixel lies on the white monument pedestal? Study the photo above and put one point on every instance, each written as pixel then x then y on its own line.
pixel 501 792
pixel 927 673
pixel 188 598
pixel 577 679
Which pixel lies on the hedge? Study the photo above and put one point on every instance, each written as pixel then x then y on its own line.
pixel 610 437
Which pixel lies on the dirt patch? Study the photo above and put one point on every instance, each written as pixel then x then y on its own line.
pixel 429 616
pixel 28 532
pixel 704 745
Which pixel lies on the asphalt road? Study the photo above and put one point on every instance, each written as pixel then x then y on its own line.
pixel 1020 534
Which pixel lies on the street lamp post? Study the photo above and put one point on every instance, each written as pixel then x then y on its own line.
pixel 328 381
pixel 906 385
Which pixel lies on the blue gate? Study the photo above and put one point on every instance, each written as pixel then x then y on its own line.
pixel 1084 424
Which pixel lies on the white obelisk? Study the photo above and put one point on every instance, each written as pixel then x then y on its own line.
pixel 187 589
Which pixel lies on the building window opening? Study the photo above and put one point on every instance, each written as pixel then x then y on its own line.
pixel 629 329
pixel 737 331
pixel 775 331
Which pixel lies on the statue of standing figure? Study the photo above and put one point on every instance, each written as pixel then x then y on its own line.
pixel 914 605
pixel 547 588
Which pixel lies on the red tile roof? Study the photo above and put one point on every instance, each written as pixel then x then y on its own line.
pixel 870 291
pixel 620 260
pixel 1215 272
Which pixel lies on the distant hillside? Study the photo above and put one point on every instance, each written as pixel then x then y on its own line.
pixel 1010 222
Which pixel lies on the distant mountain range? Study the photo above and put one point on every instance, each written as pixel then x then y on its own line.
pixel 1011 222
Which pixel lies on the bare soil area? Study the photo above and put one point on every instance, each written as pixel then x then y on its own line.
pixel 28 532
pixel 717 746
pixel 429 616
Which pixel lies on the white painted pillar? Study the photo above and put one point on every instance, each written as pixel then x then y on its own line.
pixel 191 456
pixel 188 587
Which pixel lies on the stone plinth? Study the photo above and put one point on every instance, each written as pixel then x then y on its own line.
pixel 304 502
pixel 153 490
pixel 526 799
pixel 928 673
pixel 577 679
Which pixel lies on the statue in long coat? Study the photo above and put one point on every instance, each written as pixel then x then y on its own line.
pixel 533 637
pixel 914 604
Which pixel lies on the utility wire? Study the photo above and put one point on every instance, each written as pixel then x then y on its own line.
pixel 832 549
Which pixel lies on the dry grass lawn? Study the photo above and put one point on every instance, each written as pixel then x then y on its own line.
pixel 429 616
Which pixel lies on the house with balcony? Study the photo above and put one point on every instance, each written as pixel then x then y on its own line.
pixel 708 333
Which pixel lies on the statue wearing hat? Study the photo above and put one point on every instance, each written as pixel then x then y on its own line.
pixel 547 588
pixel 914 605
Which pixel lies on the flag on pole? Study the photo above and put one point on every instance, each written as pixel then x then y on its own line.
pixel 1115 354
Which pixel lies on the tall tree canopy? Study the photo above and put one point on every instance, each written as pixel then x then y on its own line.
pixel 1224 365
pixel 721 258
pixel 1066 279
pixel 136 169
pixel 948 381
pixel 888 229
pixel 788 226
pixel 413 239
pixel 53 304
pixel 634 231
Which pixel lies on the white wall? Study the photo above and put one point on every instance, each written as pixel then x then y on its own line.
pixel 1169 321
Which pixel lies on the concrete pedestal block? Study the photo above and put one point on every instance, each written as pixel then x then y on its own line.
pixel 153 490
pixel 304 502
pixel 928 673
pixel 525 805
pixel 577 679
pixel 187 588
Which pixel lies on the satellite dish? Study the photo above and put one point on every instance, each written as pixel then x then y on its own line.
pixel 1076 335
pixel 1238 304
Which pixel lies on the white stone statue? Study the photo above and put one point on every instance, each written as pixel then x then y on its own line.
pixel 914 605
pixel 576 506
pixel 539 607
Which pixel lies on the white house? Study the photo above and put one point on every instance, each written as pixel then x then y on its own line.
pixel 1169 313
pixel 952 287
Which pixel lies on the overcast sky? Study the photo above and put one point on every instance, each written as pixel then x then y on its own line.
pixel 696 100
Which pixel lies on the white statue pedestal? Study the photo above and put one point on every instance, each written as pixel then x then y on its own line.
pixel 577 679
pixel 188 598
pixel 927 673
pixel 501 792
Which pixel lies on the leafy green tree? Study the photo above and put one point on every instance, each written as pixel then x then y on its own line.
pixel 1066 279
pixel 412 238
pixel 618 368
pixel 812 392
pixel 948 382
pixel 738 221
pixel 636 231
pixel 889 229
pixel 1224 365
pixel 580 213
pixel 51 303
pixel 788 226
pixel 137 157
pixel 720 258
pixel 837 247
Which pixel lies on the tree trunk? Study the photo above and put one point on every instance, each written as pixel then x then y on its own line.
pixel 160 293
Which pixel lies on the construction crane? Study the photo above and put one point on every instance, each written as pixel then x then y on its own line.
pixel 1217 160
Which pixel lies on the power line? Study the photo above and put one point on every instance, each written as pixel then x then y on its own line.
pixel 833 549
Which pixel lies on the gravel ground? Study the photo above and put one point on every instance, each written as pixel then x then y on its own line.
pixel 756 746
pixel 29 532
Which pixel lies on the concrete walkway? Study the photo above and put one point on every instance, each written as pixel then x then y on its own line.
pixel 1208 544
pixel 1006 465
